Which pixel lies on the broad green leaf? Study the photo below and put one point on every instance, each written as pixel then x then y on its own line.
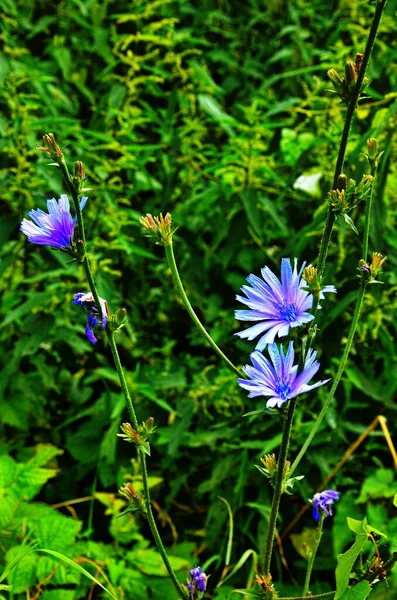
pixel 346 561
pixel 360 591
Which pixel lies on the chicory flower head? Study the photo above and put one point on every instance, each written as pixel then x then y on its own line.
pixel 55 228
pixel 93 319
pixel 279 378
pixel 277 305
pixel 197 584
pixel 323 502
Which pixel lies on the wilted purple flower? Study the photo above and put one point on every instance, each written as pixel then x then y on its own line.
pixel 278 305
pixel 198 582
pixel 323 501
pixel 279 380
pixel 88 303
pixel 54 228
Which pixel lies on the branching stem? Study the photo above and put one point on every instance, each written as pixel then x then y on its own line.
pixel 130 407
pixel 329 223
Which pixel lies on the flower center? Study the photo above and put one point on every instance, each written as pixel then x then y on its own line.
pixel 288 311
pixel 283 389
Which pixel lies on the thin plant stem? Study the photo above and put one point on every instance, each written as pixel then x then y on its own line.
pixel 367 223
pixel 315 597
pixel 181 290
pixel 142 460
pixel 123 383
pixel 80 222
pixel 341 368
pixel 319 534
pixel 278 486
pixel 329 223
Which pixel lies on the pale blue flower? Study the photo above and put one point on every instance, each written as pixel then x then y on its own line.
pixel 279 379
pixel 277 305
pixel 55 228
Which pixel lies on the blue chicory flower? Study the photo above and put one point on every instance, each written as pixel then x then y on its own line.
pixel 279 380
pixel 323 501
pixel 278 305
pixel 88 303
pixel 55 228
pixel 198 582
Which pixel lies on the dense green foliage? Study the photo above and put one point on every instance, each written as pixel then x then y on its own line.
pixel 220 113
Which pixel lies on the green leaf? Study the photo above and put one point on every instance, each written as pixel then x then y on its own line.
pixel 346 561
pixel 350 222
pixel 231 528
pixel 76 566
pixel 360 591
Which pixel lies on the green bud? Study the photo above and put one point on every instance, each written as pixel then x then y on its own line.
pixel 342 182
pixel 350 73
pixel 336 81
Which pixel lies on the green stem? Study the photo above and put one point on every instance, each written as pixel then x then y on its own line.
pixel 319 534
pixel 315 597
pixel 142 460
pixel 329 223
pixel 179 286
pixel 130 407
pixel 367 222
pixel 341 368
pixel 76 201
pixel 278 486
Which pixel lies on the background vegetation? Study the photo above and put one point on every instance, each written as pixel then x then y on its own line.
pixel 217 111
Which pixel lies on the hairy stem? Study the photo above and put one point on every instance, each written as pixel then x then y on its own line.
pixel 130 407
pixel 142 460
pixel 80 222
pixel 319 534
pixel 341 368
pixel 367 223
pixel 315 597
pixel 179 286
pixel 329 223
pixel 278 486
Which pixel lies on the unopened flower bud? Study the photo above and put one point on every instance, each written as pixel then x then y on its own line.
pixel 342 182
pixel 350 73
pixel 135 501
pixel 129 433
pixel 358 61
pixel 79 172
pixel 338 201
pixel 336 81
pixel 373 154
pixel 158 227
pixel 51 146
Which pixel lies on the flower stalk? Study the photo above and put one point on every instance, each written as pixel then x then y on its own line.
pixel 279 486
pixel 337 379
pixel 319 534
pixel 116 358
pixel 181 290
pixel 330 220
